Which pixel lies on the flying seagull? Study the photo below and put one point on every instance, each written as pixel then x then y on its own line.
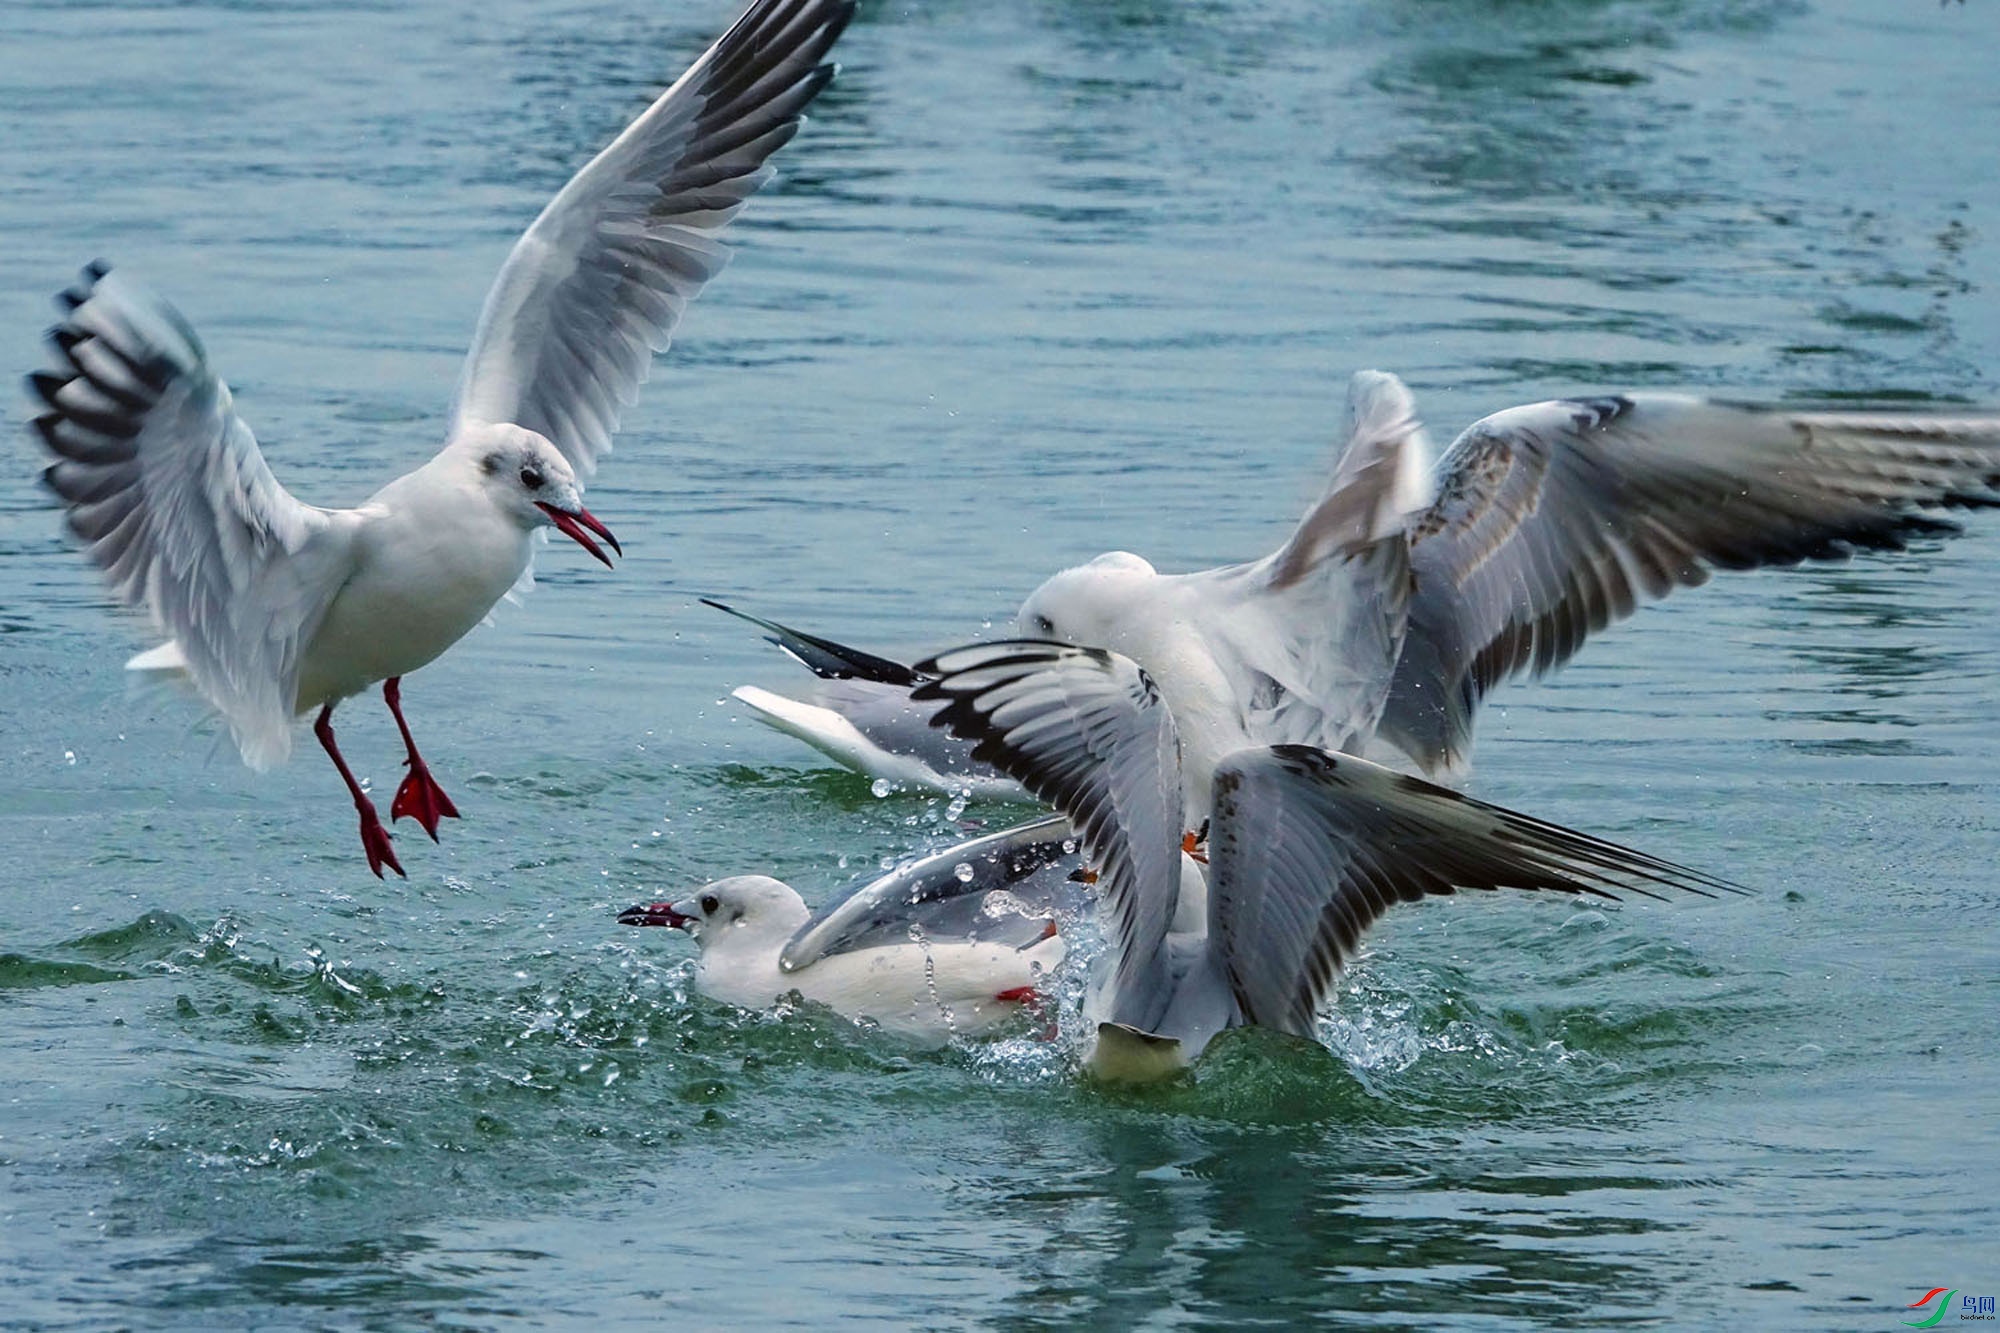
pixel 273 607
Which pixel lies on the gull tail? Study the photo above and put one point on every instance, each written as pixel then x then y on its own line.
pixel 165 660
pixel 1124 1054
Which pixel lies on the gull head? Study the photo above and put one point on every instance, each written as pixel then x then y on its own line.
pixel 752 909
pixel 529 480
pixel 1088 605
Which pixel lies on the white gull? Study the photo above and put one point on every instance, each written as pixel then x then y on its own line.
pixel 956 944
pixel 274 607
pixel 1412 587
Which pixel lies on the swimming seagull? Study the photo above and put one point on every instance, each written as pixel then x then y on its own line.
pixel 1410 588
pixel 274 607
pixel 957 943
pixel 1306 847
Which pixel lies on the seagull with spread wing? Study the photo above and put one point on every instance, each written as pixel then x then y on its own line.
pixel 1413 586
pixel 1306 847
pixel 273 607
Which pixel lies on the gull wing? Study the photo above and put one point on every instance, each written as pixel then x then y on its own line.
pixel 861 715
pixel 598 283
pixel 1310 635
pixel 1308 848
pixel 823 657
pixel 1383 477
pixel 1085 730
pixel 1555 519
pixel 166 487
pixel 948 896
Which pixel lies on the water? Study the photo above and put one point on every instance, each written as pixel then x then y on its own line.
pixel 1039 280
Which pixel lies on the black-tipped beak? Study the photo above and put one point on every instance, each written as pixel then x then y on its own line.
pixel 655 914
pixel 578 526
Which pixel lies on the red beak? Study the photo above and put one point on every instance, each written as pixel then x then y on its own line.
pixel 655 914
pixel 573 526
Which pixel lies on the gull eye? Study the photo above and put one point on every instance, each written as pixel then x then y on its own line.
pixel 1043 625
pixel 531 477
pixel 710 904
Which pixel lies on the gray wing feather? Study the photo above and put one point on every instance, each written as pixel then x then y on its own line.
pixel 1308 848
pixel 598 283
pixel 1030 863
pixel 1555 519
pixel 1311 633
pixel 1085 731
pixel 166 487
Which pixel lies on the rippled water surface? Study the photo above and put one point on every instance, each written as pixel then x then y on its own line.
pixel 1039 280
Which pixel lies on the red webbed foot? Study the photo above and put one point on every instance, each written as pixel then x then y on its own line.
pixel 422 799
pixel 375 842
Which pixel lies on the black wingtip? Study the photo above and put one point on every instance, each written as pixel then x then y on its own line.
pixel 62 340
pixel 45 384
pixel 823 657
pixel 69 298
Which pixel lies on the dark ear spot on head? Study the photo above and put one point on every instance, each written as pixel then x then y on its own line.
pixel 492 463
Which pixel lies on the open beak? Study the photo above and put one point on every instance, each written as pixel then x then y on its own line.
pixel 578 527
pixel 655 914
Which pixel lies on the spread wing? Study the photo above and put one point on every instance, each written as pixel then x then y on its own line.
pixel 173 501
pixel 597 285
pixel 951 895
pixel 1309 635
pixel 1085 731
pixel 1555 519
pixel 1308 848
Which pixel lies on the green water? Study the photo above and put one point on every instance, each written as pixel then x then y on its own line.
pixel 1038 281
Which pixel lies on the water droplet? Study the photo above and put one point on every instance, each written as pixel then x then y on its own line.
pixel 881 787
pixel 69 757
pixel 964 872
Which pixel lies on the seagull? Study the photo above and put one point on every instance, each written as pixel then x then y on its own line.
pixel 273 607
pixel 1307 847
pixel 1414 584
pixel 955 944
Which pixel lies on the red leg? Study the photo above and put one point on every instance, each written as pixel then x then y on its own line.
pixel 374 838
pixel 419 797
